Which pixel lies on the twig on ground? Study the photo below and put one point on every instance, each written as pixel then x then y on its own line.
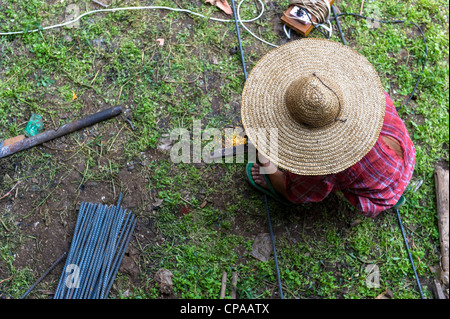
pixel 224 285
pixel 16 73
pixel 9 193
pixel 6 279
pixel 234 277
pixel 112 143
pixel 7 229
pixel 121 88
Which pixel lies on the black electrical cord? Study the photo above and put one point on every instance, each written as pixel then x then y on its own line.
pixel 409 253
pixel 265 196
pixel 338 25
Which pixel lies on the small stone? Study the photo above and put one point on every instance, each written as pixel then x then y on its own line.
pixel 164 278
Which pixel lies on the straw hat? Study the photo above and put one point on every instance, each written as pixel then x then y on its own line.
pixel 321 101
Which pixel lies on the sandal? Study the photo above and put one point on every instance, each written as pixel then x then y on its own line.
pixel 270 191
pixel 400 203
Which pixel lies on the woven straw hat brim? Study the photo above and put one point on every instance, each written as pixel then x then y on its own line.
pixel 313 151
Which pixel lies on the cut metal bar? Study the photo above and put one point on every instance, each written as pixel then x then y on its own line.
pixel 43 275
pixel 63 130
pixel 98 291
pixel 122 253
pixel 99 244
pixel 89 255
pixel 98 257
pixel 102 262
pixel 112 247
pixel 82 243
pixel 80 222
pixel 69 256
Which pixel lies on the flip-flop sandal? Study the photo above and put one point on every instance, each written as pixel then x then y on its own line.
pixel 401 202
pixel 271 191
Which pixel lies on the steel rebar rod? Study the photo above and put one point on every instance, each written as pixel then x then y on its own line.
pixel 102 262
pixel 119 241
pixel 63 130
pixel 83 216
pixel 85 236
pixel 122 253
pixel 113 247
pixel 98 257
pixel 106 253
pixel 43 275
pixel 69 256
pixel 98 291
pixel 100 240
pixel 88 256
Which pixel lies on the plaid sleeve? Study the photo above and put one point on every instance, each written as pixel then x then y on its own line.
pixel 384 175
pixel 305 189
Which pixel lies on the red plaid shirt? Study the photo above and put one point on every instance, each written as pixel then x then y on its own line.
pixel 373 184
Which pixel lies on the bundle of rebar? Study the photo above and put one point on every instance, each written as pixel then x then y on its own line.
pixel 101 237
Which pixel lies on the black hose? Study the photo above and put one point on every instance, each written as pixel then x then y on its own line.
pixel 338 25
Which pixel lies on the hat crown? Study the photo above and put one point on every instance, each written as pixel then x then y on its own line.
pixel 312 102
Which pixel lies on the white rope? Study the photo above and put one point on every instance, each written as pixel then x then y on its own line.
pixel 254 35
pixel 148 8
